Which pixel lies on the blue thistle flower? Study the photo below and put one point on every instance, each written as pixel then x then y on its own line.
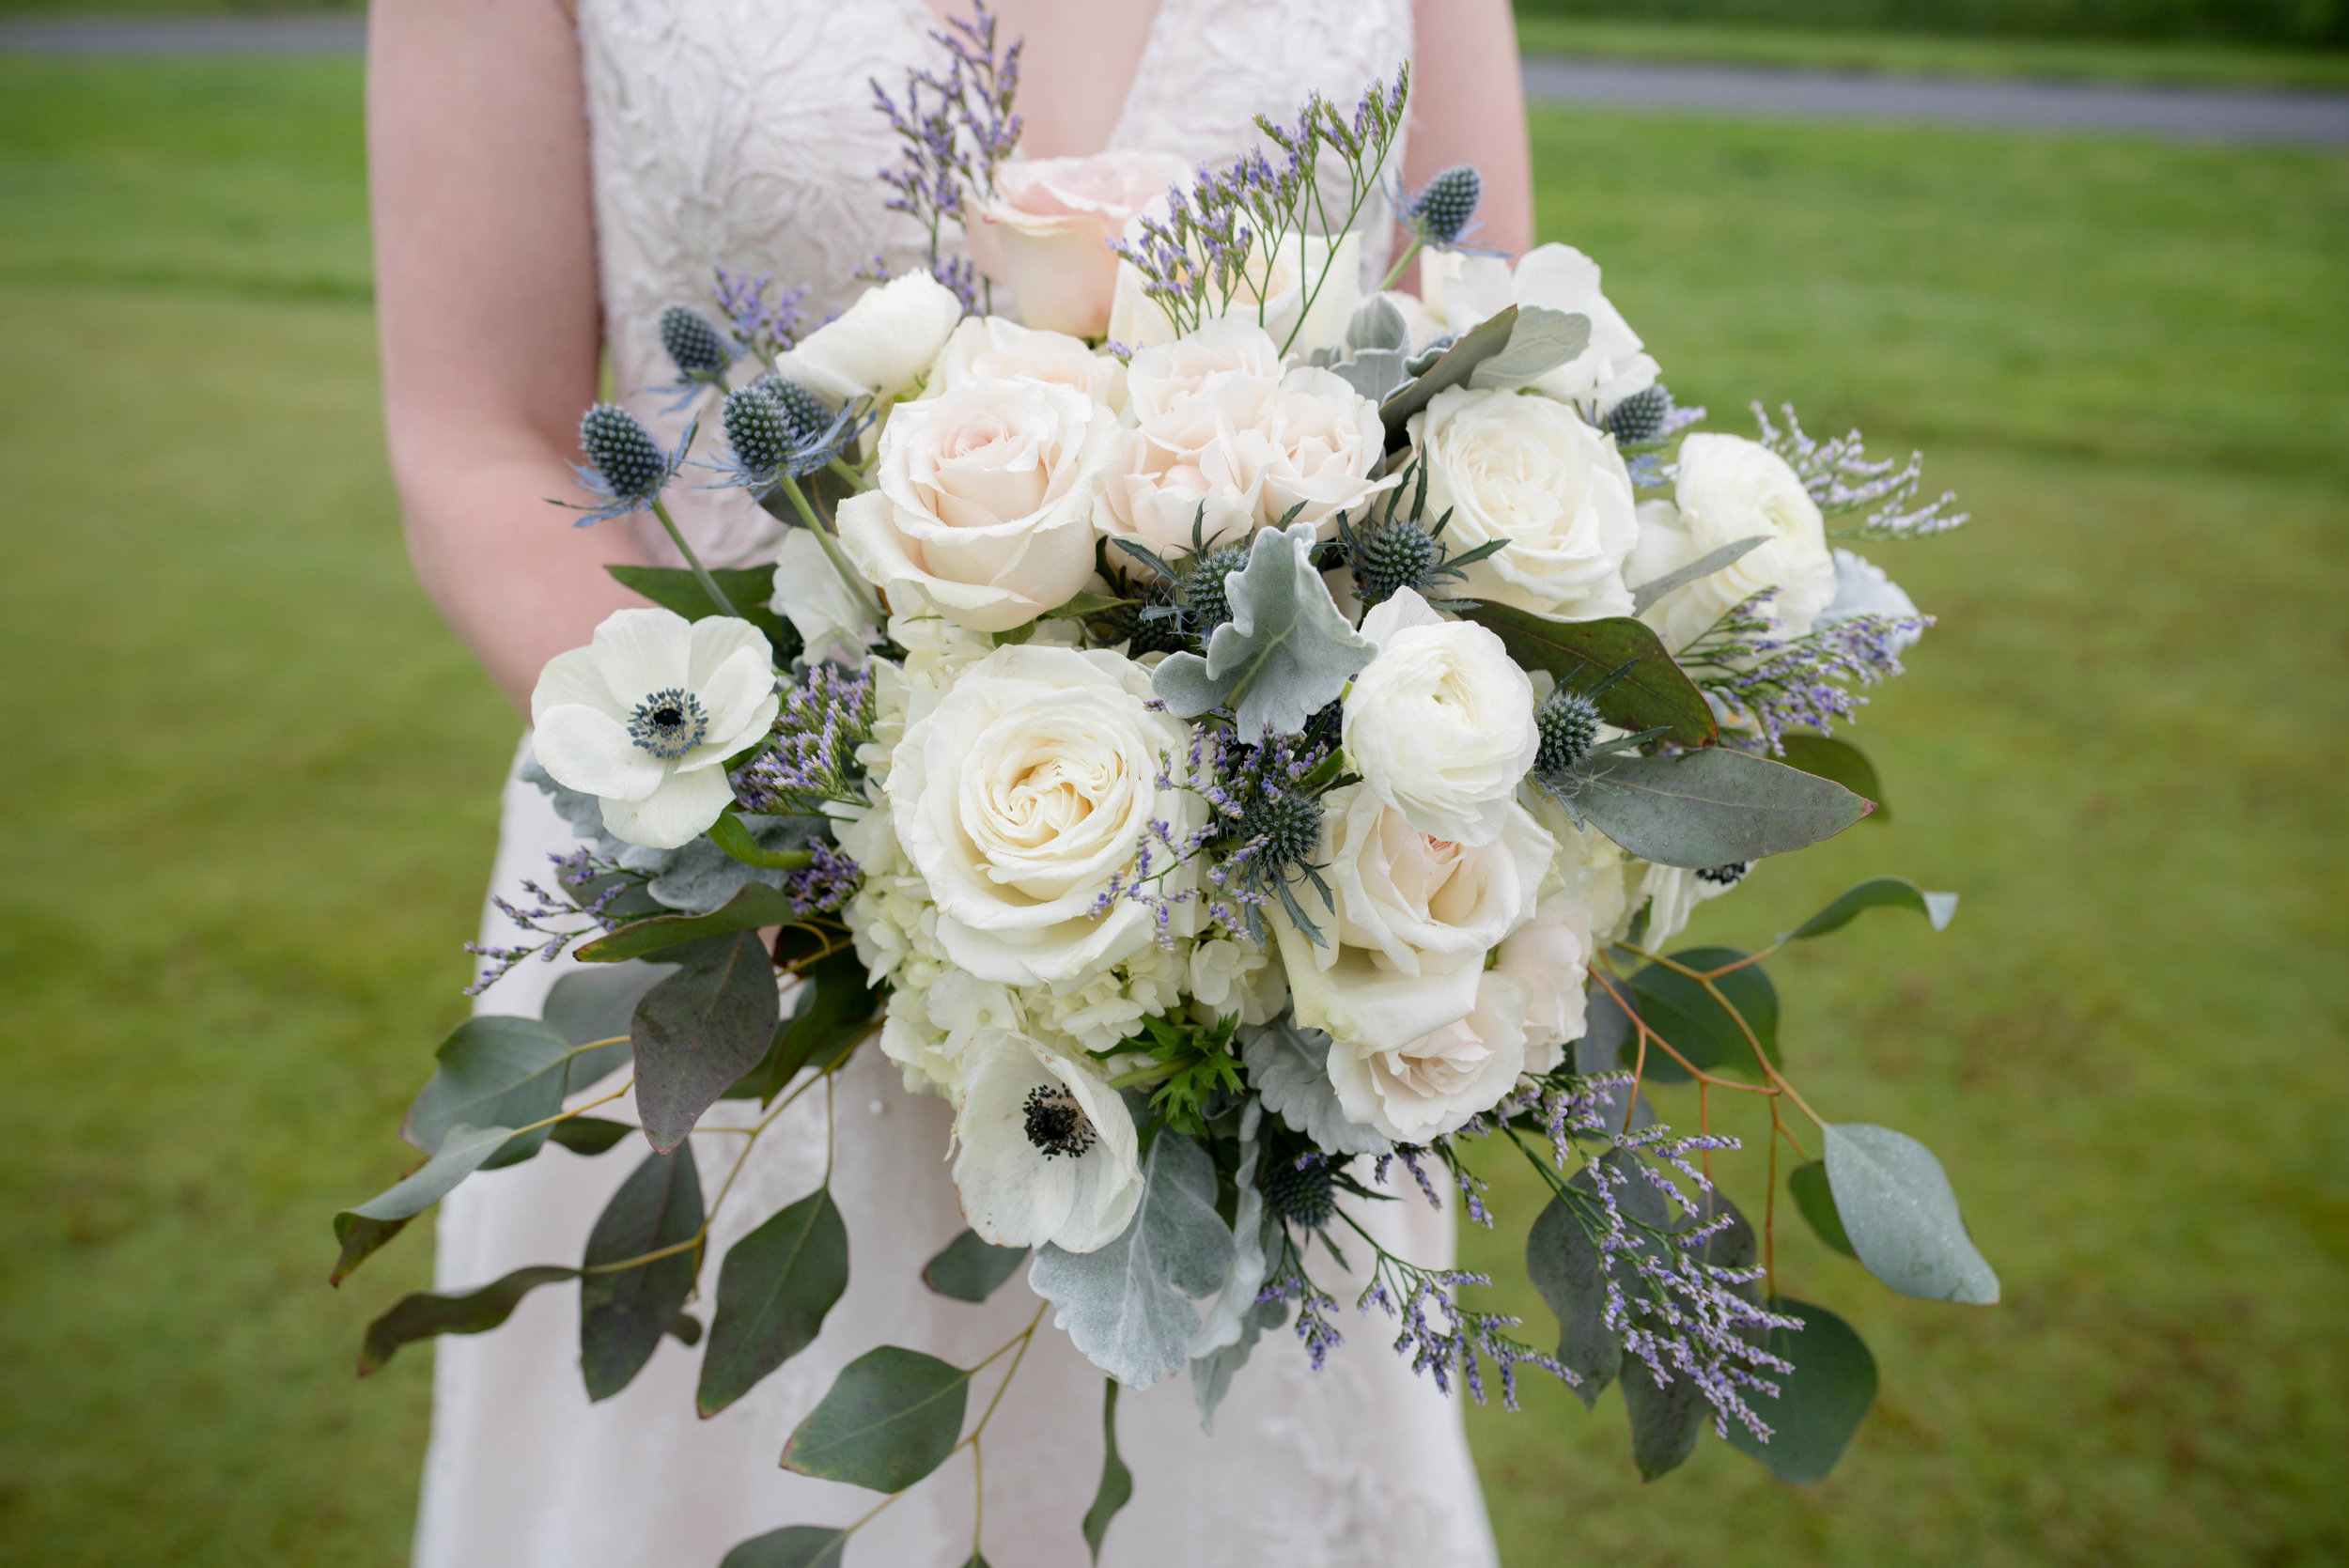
pixel 625 469
pixel 1445 208
pixel 694 344
pixel 777 429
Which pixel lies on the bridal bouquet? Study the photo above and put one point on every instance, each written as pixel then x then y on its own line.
pixel 1249 743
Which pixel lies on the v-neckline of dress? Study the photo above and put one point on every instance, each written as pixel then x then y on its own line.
pixel 928 22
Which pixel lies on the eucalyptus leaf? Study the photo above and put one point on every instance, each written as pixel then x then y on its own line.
pixel 494 1071
pixel 773 1291
pixel 1127 1306
pixel 1289 1067
pixel 1117 1482
pixel 834 1009
pixel 686 1329
pixel 1698 1026
pixel 754 905
pixel 891 1417
pixel 1815 1197
pixel 1712 807
pixel 463 1150
pixel 422 1315
pixel 1604 1047
pixel 594 1003
pixel 1540 341
pixel 1667 1418
pixel 623 1312
pixel 1452 368
pixel 751 588
pixel 1819 1406
pixel 357 1239
pixel 1655 692
pixel 1564 1264
pixel 588 1135
pixel 699 1031
pixel 793 1546
pixel 1840 760
pixel 1901 1213
pixel 969 1268
pixel 1879 892
pixel 1646 594
pixel 1286 653
pixel 704 874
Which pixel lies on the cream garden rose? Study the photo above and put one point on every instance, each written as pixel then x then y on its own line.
pixel 1730 489
pixel 1219 355
pixel 1018 793
pixel 1195 471
pixel 879 345
pixel 1530 471
pixel 1319 441
pixel 989 349
pixel 983 502
pixel 1441 723
pixel 1045 232
pixel 1433 1084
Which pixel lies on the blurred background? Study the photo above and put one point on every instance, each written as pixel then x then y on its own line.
pixel 250 779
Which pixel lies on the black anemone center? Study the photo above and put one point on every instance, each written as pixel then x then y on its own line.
pixel 1057 1122
pixel 669 723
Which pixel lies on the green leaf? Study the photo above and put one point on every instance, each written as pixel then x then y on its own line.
pixel 494 1071
pixel 1666 1418
pixel 588 1135
pixel 970 1269
pixel 1475 345
pixel 624 1311
pixel 1879 892
pixel 754 906
pixel 796 1547
pixel 596 1003
pixel 1656 693
pixel 1117 1482
pixel 421 1315
pixel 834 1010
pixel 1815 1197
pixel 1842 761
pixel 1712 807
pixel 1286 653
pixel 1819 1406
pixel 699 1031
pixel 776 1286
pixel 1902 1216
pixel 463 1150
pixel 1565 1265
pixel 734 840
pixel 1541 341
pixel 892 1418
pixel 1647 592
pixel 686 1329
pixel 751 588
pixel 359 1239
pixel 1697 1026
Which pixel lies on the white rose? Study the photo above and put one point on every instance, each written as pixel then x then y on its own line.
pixel 1045 1149
pixel 1863 588
pixel 1321 440
pixel 983 501
pixel 1218 354
pixel 880 345
pixel 1306 265
pixel 1044 231
pixel 647 714
pixel 1020 793
pixel 1441 723
pixel 1530 471
pixel 1550 957
pixel 1463 290
pixel 1401 953
pixel 1730 489
pixel 833 623
pixel 1433 1084
pixel 989 349
pixel 1196 469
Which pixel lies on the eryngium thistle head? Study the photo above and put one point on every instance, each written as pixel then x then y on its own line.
pixel 1445 208
pixel 1399 555
pixel 1301 1197
pixel 1640 417
pixel 1200 590
pixel 700 353
pixel 802 410
pixel 757 429
pixel 1568 722
pixel 1726 876
pixel 1289 825
pixel 623 453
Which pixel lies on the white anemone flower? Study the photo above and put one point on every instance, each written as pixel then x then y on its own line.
pixel 646 716
pixel 1047 1149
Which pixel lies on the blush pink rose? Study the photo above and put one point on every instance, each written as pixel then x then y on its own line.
pixel 1045 232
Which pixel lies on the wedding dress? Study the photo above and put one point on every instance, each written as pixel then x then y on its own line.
pixel 741 131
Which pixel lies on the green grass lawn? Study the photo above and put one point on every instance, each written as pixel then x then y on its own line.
pixel 253 778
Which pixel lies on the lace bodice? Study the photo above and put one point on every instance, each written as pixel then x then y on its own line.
pixel 742 133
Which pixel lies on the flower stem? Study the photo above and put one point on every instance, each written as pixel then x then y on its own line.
pixel 1402 261
pixel 831 543
pixel 701 573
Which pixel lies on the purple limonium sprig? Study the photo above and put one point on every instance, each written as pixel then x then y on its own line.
pixel 1443 1339
pixel 952 131
pixel 830 881
pixel 810 757
pixel 1843 479
pixel 574 874
pixel 1286 1281
pixel 1795 682
pixel 761 328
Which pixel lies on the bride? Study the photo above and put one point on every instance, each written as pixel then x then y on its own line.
pixel 546 181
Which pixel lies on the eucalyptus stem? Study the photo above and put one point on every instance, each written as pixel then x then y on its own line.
pixel 701 573
pixel 831 545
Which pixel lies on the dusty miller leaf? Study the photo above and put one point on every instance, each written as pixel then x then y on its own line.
pixel 1289 1067
pixel 1540 341
pixel 1286 653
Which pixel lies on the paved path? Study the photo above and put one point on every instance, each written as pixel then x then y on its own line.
pixel 2189 113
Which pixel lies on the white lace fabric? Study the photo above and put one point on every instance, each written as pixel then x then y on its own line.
pixel 740 133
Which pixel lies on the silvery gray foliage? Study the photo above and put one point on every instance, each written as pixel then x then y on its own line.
pixel 1224 1339
pixel 1286 653
pixel 1901 1213
pixel 1542 340
pixel 1377 341
pixel 700 876
pixel 1711 807
pixel 1211 1374
pixel 1289 1068
pixel 1646 594
pixel 1128 1306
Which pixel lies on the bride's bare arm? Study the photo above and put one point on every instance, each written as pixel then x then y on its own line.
pixel 1468 106
pixel 485 302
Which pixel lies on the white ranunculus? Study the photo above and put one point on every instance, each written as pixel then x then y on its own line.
pixel 1216 355
pixel 835 624
pixel 1045 230
pixel 1730 489
pixel 1433 1084
pixel 989 349
pixel 1018 793
pixel 1463 290
pixel 880 345
pixel 1415 916
pixel 1441 723
pixel 1321 440
pixel 1530 471
pixel 1861 588
pixel 647 714
pixel 1197 468
pixel 983 500
pixel 1046 1150
pixel 1307 266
